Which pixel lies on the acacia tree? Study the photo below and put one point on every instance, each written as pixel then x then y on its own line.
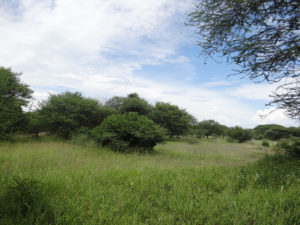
pixel 210 127
pixel 13 95
pixel 261 36
pixel 67 112
pixel 175 120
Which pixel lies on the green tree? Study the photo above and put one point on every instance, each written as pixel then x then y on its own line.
pixel 175 120
pixel 260 36
pixel 210 128
pixel 64 113
pixel 33 123
pixel 260 130
pixel 132 103
pixel 128 131
pixel 13 95
pixel 239 134
pixel 277 133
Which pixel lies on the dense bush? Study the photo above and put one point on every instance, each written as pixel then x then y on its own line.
pixel 65 113
pixel 25 202
pixel 265 143
pixel 291 146
pixel 175 120
pixel 240 134
pixel 277 133
pixel 128 131
pixel 13 96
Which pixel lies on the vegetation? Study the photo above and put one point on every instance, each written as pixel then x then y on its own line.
pixel 128 131
pixel 210 128
pixel 65 113
pixel 259 36
pixel 240 134
pixel 206 183
pixel 175 120
pixel 13 95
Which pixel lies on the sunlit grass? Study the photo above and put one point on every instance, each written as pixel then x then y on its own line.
pixel 179 183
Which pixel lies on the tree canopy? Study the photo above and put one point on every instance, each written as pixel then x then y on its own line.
pixel 261 36
pixel 66 112
pixel 13 95
pixel 175 120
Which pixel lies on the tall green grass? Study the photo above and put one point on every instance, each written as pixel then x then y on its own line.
pixel 212 182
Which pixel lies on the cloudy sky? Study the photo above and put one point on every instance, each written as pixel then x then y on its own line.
pixel 104 48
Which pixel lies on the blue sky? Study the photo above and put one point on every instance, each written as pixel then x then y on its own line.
pixel 104 48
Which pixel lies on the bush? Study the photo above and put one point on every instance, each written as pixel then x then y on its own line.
pixel 290 146
pixel 82 136
pixel 64 113
pixel 265 143
pixel 128 131
pixel 24 202
pixel 239 134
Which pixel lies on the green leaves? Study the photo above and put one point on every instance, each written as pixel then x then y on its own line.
pixel 130 130
pixel 13 95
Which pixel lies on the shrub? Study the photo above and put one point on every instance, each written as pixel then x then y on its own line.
pixel 277 133
pixel 265 143
pixel 25 201
pixel 82 136
pixel 128 131
pixel 239 134
pixel 64 113
pixel 290 146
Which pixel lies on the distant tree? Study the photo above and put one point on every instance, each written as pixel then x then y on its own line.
pixel 128 131
pixel 115 103
pixel 295 131
pixel 175 120
pixel 66 112
pixel 133 103
pixel 33 123
pixel 13 95
pixel 240 134
pixel 261 36
pixel 211 128
pixel 277 133
pixel 260 130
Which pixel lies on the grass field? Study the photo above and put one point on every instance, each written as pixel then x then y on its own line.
pixel 212 182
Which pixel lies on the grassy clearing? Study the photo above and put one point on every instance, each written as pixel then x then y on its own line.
pixel 212 182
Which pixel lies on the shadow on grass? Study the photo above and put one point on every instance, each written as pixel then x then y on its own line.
pixel 25 202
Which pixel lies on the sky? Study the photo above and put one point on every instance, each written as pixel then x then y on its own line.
pixel 106 48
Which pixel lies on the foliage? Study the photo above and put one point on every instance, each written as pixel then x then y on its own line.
pixel 33 123
pixel 211 128
pixel 66 112
pixel 240 134
pixel 277 133
pixel 128 131
pixel 291 146
pixel 83 136
pixel 175 120
pixel 133 103
pixel 25 201
pixel 13 95
pixel 265 143
pixel 294 131
pixel 260 36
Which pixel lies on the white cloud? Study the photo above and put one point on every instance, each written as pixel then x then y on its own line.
pixel 98 46
pixel 272 116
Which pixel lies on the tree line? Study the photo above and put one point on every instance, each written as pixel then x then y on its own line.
pixel 120 123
